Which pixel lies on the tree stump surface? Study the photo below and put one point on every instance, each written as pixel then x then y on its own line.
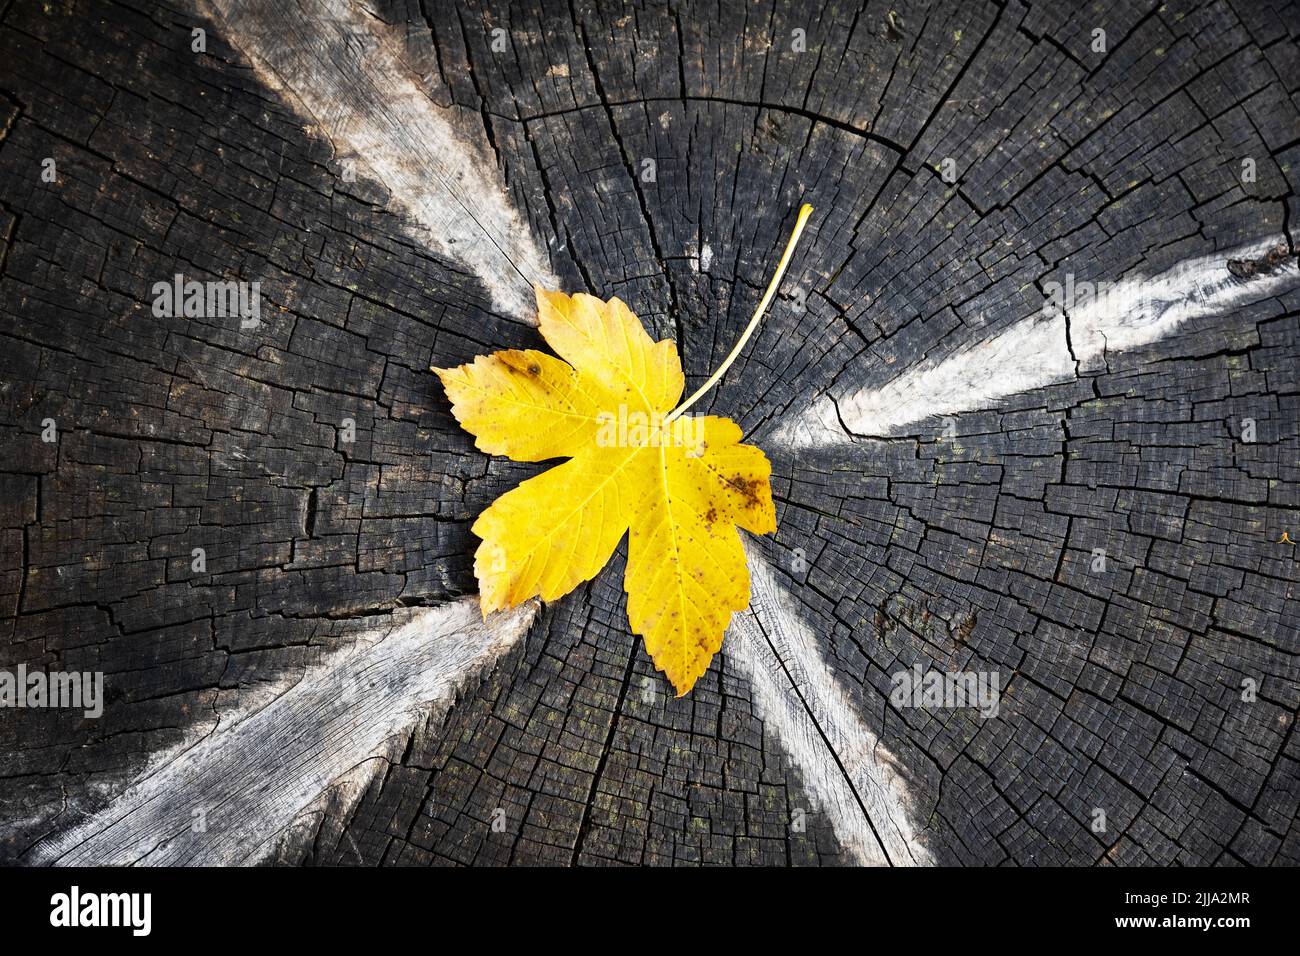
pixel 947 464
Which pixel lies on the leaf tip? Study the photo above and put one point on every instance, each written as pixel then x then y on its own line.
pixel 543 295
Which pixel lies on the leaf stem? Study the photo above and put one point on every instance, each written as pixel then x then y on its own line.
pixel 804 212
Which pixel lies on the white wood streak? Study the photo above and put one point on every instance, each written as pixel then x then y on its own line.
pixel 1036 352
pixel 338 63
pixel 253 776
pixel 843 766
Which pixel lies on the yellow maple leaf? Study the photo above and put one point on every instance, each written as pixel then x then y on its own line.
pixel 680 486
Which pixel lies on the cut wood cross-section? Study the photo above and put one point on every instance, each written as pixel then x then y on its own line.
pixel 1029 392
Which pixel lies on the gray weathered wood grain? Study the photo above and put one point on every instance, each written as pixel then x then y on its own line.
pixel 225 800
pixel 338 63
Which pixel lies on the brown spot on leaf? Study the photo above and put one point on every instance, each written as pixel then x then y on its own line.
pixel 748 488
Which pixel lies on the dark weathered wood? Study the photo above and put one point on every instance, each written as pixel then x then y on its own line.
pixel 963 548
